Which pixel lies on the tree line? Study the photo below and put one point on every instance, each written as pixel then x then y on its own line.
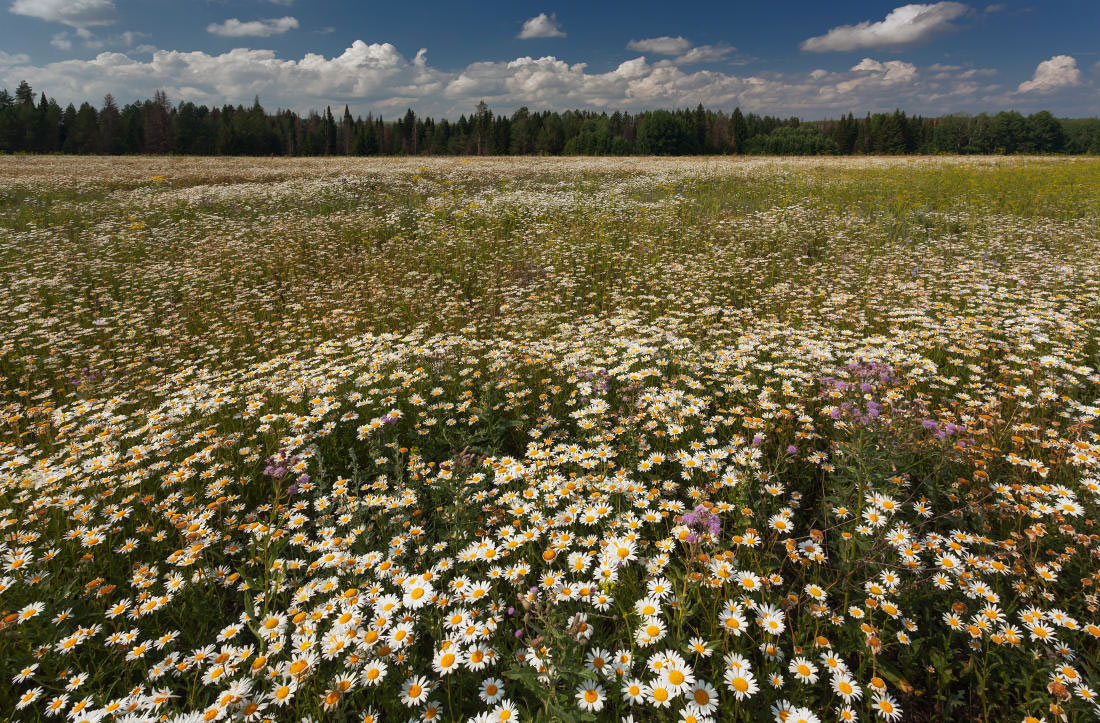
pixel 32 123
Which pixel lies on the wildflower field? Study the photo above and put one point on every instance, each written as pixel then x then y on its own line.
pixel 549 439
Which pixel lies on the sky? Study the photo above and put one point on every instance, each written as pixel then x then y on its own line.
pixel 806 59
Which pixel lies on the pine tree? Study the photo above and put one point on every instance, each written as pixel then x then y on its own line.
pixel 739 131
pixel 347 130
pixel 158 124
pixel 109 120
pixel 23 93
pixel 329 132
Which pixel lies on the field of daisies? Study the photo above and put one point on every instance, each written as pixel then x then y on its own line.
pixel 549 439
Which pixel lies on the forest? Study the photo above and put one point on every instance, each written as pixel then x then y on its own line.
pixel 31 122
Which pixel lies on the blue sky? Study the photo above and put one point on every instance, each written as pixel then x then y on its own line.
pixel 809 59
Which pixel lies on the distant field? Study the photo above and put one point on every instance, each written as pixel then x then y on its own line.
pixel 553 439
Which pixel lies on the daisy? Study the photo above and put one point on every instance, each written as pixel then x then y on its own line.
pixel 620 551
pixel 651 631
pixel 833 662
pixel 803 669
pixel 691 714
pixel 56 706
pixel 373 673
pixel 31 611
pixel 478 656
pixel 659 588
pixel 660 695
pixel 699 647
pixel 418 593
pixel 492 690
pixel 447 661
pixel 28 698
pixel 847 688
pixel 591 696
pixel 283 692
pixel 801 715
pixel 733 622
pixel 598 661
pixel 704 697
pixel 886 707
pixel 414 691
pixel 400 635
pixel 506 712
pixel 742 682
pixel 634 691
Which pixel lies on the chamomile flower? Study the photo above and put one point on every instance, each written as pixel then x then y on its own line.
pixel 415 691
pixel 591 696
pixel 491 690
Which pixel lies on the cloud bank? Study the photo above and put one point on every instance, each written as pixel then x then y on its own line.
pixel 378 78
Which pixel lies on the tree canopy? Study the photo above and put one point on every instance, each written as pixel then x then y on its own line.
pixel 157 126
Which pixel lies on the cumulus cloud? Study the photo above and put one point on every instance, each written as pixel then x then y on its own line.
pixel 376 77
pixel 234 28
pixel 363 73
pixel 664 45
pixel 683 50
pixel 1059 72
pixel 905 25
pixel 75 13
pixel 872 74
pixel 542 26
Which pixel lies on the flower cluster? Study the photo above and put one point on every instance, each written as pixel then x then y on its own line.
pixel 499 441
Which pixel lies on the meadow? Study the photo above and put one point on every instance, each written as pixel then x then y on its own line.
pixel 549 439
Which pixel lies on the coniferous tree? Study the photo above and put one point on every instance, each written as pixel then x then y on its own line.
pixel 739 130
pixel 158 124
pixel 109 119
pixel 32 122
pixel 24 95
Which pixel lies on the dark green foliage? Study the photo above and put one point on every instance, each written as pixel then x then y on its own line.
pixel 802 140
pixel 156 126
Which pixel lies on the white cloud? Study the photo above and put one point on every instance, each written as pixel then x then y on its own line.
pixel 376 77
pixel 234 28
pixel 906 25
pixel 284 3
pixel 75 13
pixel 872 74
pixel 542 26
pixel 664 45
pixel 682 48
pixel 1059 72
pixel 705 54
pixel 128 39
pixel 8 60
